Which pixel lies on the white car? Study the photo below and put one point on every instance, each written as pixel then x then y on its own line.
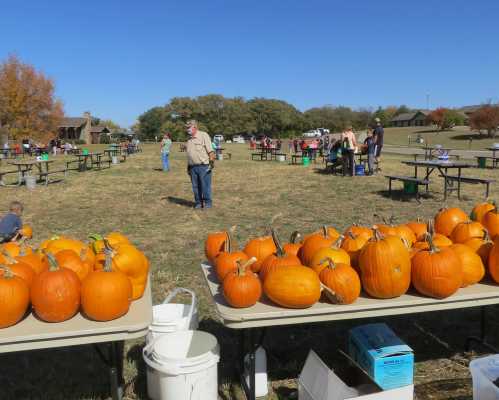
pixel 238 139
pixel 315 134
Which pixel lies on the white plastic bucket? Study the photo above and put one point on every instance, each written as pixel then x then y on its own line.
pixel 281 158
pixel 30 182
pixel 172 317
pixel 220 156
pixel 114 160
pixel 484 371
pixel 182 366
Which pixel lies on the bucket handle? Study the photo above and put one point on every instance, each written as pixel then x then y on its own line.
pixel 178 290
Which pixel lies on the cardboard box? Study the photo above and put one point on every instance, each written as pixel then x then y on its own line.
pixel 318 382
pixel 388 360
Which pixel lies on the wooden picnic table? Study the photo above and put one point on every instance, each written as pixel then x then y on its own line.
pixel 97 161
pixel 265 313
pixel 33 334
pixel 442 167
pixel 26 166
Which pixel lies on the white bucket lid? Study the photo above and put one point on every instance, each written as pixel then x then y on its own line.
pixel 169 313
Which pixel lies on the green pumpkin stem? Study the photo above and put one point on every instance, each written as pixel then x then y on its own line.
pixel 53 264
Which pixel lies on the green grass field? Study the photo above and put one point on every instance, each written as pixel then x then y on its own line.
pixel 155 210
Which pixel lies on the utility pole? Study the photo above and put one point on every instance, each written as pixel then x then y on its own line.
pixel 428 101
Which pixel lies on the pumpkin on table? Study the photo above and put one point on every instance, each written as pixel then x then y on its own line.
pixel 481 246
pixel 480 210
pixel 471 264
pixel 14 298
pixel 333 252
pixel 69 259
pixel 293 287
pixel 19 269
pixel 55 293
pixel 493 263
pixel 341 281
pixel 260 248
pixel 418 227
pixel 106 294
pixel 280 259
pixel 438 239
pixel 15 249
pixel 358 230
pixel 491 222
pixel 437 272
pixel 59 243
pixel 227 260
pixel 214 245
pixel 242 288
pixel 465 231
pixel 385 266
pixel 294 244
pixel 353 244
pixel 36 260
pixel 316 241
pixel 402 231
pixel 447 219
pixel 113 238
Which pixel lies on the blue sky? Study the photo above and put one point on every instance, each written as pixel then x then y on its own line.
pixel 118 58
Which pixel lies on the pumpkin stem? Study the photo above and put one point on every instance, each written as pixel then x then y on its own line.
pixel 54 266
pixel 108 262
pixel 228 244
pixel 324 231
pixel 7 272
pixel 95 237
pixel 406 243
pixel 433 248
pixel 351 234
pixel 295 236
pixel 8 257
pixel 430 227
pixel 330 262
pixel 337 244
pixel 277 242
pixel 377 234
pixel 241 268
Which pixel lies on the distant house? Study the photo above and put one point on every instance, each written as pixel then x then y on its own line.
pixel 415 118
pixel 80 128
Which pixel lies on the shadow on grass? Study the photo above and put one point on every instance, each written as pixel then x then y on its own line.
pixel 179 201
pixel 473 136
pixel 134 355
pixel 400 195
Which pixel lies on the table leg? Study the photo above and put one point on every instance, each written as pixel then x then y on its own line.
pixel 482 339
pixel 114 361
pixel 445 185
pixel 458 183
pixel 254 343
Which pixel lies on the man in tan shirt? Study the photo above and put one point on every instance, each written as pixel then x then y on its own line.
pixel 200 159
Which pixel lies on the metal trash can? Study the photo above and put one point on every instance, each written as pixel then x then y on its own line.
pixel 482 162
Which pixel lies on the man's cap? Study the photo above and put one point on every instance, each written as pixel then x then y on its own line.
pixel 377 119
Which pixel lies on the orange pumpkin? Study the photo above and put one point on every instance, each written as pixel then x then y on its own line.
pixel 26 231
pixel 242 288
pixel 436 272
pixel 295 286
pixel 406 234
pixel 358 230
pixel 315 242
pixel 106 294
pixel 277 260
pixel 491 222
pixel 447 219
pixel 353 244
pixel 385 267
pixel 418 227
pixel 341 281
pixel 21 270
pixel 438 239
pixel 334 252
pixel 493 264
pixel 465 231
pixel 69 259
pixel 37 261
pixel 214 245
pixel 471 264
pixel 481 246
pixel 15 249
pixel 227 260
pixel 55 293
pixel 260 248
pixel 480 210
pixel 294 244
pixel 114 239
pixel 14 298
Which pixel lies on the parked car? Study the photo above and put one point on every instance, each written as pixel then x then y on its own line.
pixel 218 138
pixel 238 139
pixel 312 134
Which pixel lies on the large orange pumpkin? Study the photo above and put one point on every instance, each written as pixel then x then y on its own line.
pixel 436 272
pixel 294 244
pixel 480 210
pixel 69 259
pixel 491 222
pixel 214 245
pixel 333 252
pixel 419 228
pixel 385 267
pixel 481 246
pixel 315 242
pixel 342 283
pixel 227 260
pixel 447 219
pixel 353 244
pixel 242 288
pixel 465 231
pixel 471 264
pixel 293 287
pixel 260 248
pixel 106 294
pixel 55 293
pixel 14 298
pixel 493 263
pixel 278 260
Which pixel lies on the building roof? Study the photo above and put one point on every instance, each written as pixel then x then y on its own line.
pixel 71 122
pixel 99 129
pixel 408 116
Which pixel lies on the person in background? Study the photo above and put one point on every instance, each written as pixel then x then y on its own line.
pixel 201 161
pixel 371 151
pixel 11 223
pixel 166 144
pixel 378 134
pixel 349 143
pixel 295 145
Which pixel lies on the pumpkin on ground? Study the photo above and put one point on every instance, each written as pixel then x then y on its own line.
pixel 333 252
pixel 491 222
pixel 227 260
pixel 55 293
pixel 465 231
pixel 293 287
pixel 214 245
pixel 481 246
pixel 341 281
pixel 69 259
pixel 493 264
pixel 447 219
pixel 480 210
pixel 14 298
pixel 278 260
pixel 294 244
pixel 418 227
pixel 242 288
pixel 315 242
pixel 260 248
pixel 471 264
pixel 353 244
pixel 385 267
pixel 106 294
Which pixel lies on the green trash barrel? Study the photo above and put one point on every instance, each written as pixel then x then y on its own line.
pixel 482 162
pixel 306 161
pixel 410 188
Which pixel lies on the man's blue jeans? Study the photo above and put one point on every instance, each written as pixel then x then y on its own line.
pixel 166 161
pixel 201 185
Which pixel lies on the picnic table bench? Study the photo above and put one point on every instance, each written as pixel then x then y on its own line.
pixel 464 179
pixel 97 162
pixel 411 179
pixel 3 173
pixel 25 167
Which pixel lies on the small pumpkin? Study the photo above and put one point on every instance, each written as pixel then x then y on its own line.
pixel 471 264
pixel 227 260
pixel 418 227
pixel 15 249
pixel 20 269
pixel 358 230
pixel 106 294
pixel 26 231
pixel 214 245
pixel 385 266
pixel 481 246
pixel 388 228
pixel 295 286
pixel 14 298
pixel 242 288
pixel 280 259
pixel 55 293
pixel 447 219
pixel 438 239
pixel 69 259
pixel 465 231
pixel 260 248
pixel 491 222
pixel 353 244
pixel 436 272
pixel 37 261
pixel 333 252
pixel 315 242
pixel 480 210
pixel 294 244
pixel 341 281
